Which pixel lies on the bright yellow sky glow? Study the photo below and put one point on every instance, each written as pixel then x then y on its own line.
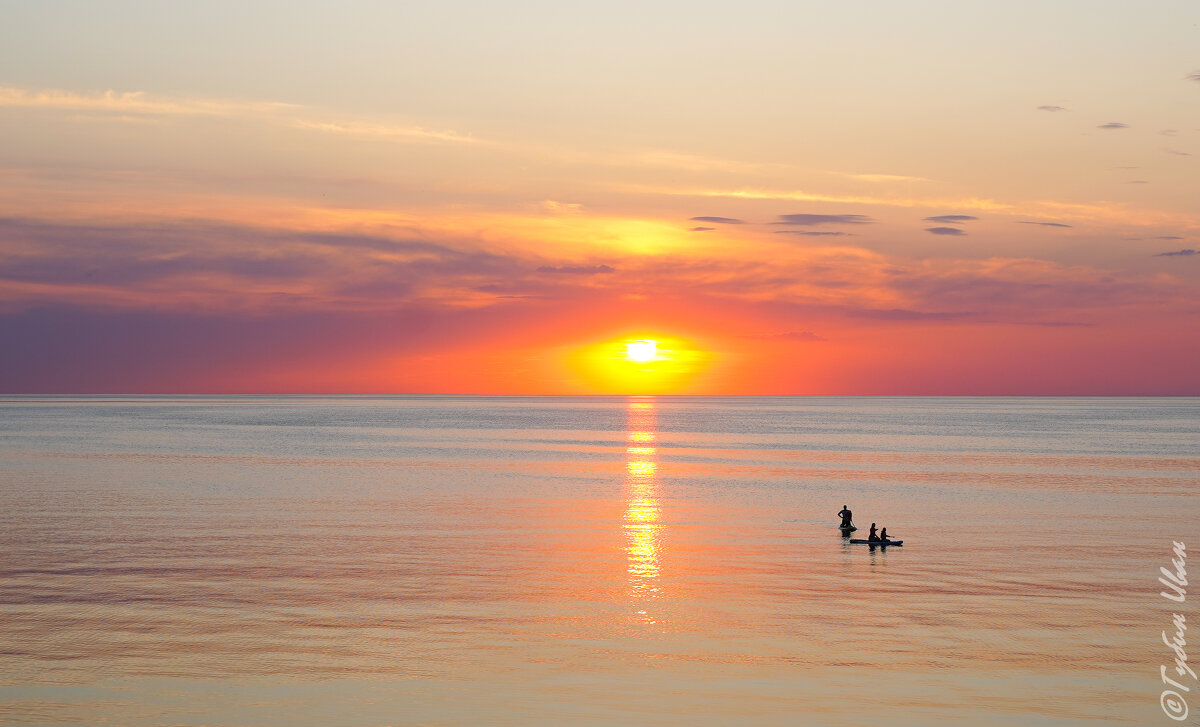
pixel 657 364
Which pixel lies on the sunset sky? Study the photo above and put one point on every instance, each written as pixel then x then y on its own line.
pixel 497 198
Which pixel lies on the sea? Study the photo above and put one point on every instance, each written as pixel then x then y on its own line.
pixel 597 561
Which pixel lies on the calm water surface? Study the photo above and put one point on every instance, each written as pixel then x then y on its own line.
pixel 591 561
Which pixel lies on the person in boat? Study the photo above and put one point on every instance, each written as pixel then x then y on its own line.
pixel 873 536
pixel 846 516
pixel 883 535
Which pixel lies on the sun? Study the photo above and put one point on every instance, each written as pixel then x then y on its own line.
pixel 641 351
pixel 639 362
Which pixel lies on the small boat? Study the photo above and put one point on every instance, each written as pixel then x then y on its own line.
pixel 847 528
pixel 876 542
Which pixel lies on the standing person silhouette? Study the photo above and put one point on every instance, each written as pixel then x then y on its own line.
pixel 846 516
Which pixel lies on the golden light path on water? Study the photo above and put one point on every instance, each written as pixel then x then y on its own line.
pixel 643 517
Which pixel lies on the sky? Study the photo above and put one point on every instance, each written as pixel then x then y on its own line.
pixel 923 198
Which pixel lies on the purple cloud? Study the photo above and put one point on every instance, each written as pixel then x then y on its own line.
pixel 1043 224
pixel 1113 125
pixel 1188 252
pixel 814 233
pixel 129 264
pixel 945 231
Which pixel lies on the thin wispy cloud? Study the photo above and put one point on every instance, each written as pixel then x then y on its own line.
pixel 1108 212
pixel 1193 76
pixel 718 220
pixel 135 106
pixel 790 336
pixel 1058 324
pixel 701 229
pixel 1178 153
pixel 670 159
pixel 813 219
pixel 945 231
pixel 384 131
pixel 885 178
pixel 1113 125
pixel 555 207
pixel 950 219
pixel 902 314
pixel 815 233
pixel 1025 288
pixel 93 117
pixel 803 196
pixel 577 269
pixel 1052 108
pixel 646 159
pixel 1187 252
pixel 1043 224
pixel 134 102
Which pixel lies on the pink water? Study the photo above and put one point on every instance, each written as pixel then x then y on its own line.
pixel 538 561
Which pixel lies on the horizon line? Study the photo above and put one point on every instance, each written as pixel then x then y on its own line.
pixel 594 396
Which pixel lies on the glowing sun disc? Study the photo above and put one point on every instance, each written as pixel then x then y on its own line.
pixel 641 351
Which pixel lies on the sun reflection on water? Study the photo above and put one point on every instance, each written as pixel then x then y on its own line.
pixel 642 520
